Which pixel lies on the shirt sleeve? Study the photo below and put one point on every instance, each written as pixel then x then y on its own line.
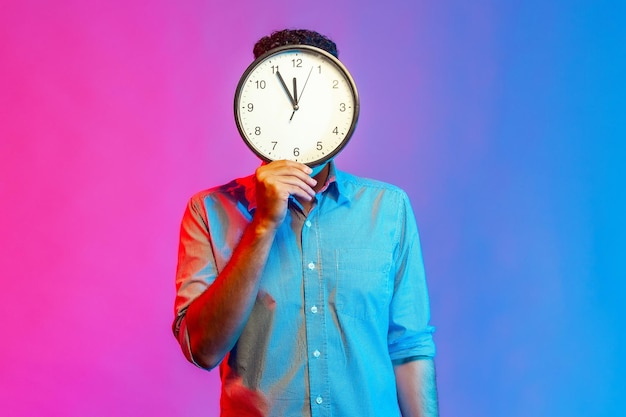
pixel 196 269
pixel 410 334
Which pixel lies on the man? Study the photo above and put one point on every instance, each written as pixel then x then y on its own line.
pixel 307 288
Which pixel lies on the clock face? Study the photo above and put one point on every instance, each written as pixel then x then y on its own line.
pixel 297 103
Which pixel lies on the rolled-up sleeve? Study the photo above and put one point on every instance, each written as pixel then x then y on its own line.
pixel 410 334
pixel 196 268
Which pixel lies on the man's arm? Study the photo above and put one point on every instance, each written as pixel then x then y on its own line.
pixel 216 318
pixel 417 388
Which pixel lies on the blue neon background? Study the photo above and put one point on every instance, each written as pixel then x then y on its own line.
pixel 504 121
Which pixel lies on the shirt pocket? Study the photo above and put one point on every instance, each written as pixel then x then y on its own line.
pixel 362 282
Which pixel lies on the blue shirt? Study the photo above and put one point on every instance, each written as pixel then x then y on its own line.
pixel 342 298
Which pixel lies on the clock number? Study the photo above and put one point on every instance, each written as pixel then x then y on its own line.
pixel 297 63
pixel 257 130
pixel 296 151
pixel 319 145
pixel 319 69
pixel 336 130
pixel 342 107
pixel 274 145
pixel 274 69
pixel 335 84
pixel 260 85
pixel 250 107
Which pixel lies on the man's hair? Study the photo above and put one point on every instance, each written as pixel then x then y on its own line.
pixel 294 37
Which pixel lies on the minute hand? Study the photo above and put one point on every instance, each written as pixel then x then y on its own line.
pixel 282 82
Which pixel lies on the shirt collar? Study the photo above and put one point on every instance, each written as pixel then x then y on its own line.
pixel 335 185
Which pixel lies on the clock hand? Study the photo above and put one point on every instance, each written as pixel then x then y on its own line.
pixel 305 83
pixel 282 82
pixel 295 94
pixel 295 97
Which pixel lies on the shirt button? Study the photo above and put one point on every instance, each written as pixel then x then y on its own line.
pixel 307 223
pixel 314 309
pixel 316 353
pixel 311 266
pixel 319 400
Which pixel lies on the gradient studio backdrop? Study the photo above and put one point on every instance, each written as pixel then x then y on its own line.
pixel 504 121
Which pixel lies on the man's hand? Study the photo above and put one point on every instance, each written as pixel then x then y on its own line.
pixel 275 182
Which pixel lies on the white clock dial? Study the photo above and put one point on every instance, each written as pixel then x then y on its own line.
pixel 297 103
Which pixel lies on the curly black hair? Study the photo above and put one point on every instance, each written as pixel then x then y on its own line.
pixel 294 37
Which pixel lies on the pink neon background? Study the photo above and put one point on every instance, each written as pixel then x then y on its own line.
pixel 502 122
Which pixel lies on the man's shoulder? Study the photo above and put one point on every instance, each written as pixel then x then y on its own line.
pixel 235 189
pixel 354 183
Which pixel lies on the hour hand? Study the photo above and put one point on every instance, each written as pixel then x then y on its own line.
pixel 282 82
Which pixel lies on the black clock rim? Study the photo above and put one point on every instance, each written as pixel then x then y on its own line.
pixel 336 62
